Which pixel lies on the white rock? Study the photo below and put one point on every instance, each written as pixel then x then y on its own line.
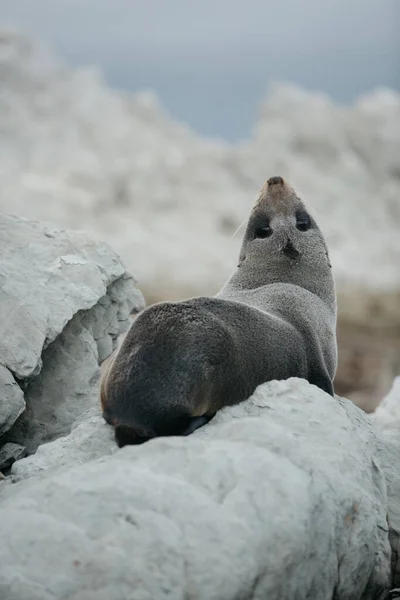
pixel 43 288
pixel 386 419
pixel 88 440
pixel 279 497
pixel 9 453
pixel 388 459
pixel 64 299
pixel 12 402
pixel 387 414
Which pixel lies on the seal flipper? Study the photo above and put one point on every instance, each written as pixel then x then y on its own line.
pixel 128 435
pixel 125 436
pixel 196 422
pixel 323 382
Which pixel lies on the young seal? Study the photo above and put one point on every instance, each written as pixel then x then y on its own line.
pixel 275 318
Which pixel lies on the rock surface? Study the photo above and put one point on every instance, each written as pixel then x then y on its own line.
pixel 64 299
pixel 10 453
pixel 88 440
pixel 387 415
pixel 386 419
pixel 279 497
pixel 12 402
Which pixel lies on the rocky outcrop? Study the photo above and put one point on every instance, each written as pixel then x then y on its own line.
pixel 12 402
pixel 64 299
pixel 89 439
pixel 386 419
pixel 387 415
pixel 287 494
pixel 9 453
pixel 282 496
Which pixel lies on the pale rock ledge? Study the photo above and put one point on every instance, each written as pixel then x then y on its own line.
pixel 64 299
pixel 283 496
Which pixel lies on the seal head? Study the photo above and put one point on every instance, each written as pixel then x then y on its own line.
pixel 283 243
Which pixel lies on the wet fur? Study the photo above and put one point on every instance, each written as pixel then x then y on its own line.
pixel 181 362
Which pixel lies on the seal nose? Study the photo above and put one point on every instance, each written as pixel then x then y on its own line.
pixel 290 251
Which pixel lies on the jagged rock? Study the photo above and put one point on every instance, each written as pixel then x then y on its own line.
pixel 388 459
pixel 9 453
pixel 64 299
pixel 387 414
pixel 279 497
pixel 386 419
pixel 88 440
pixel 12 401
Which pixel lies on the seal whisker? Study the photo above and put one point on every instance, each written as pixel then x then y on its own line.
pixel 239 228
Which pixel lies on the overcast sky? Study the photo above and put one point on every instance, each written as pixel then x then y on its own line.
pixel 210 61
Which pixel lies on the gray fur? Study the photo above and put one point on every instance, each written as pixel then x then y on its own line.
pixel 275 318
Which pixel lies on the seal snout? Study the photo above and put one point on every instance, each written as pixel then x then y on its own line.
pixel 277 180
pixel 290 251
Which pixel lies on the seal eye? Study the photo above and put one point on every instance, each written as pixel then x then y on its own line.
pixel 263 232
pixel 303 221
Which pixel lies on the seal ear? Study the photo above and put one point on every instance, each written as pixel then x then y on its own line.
pixel 328 259
pixel 242 258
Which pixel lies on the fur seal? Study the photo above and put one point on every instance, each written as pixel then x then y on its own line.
pixel 275 318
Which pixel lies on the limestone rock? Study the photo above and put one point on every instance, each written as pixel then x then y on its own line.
pixel 388 458
pixel 386 419
pixel 90 439
pixel 64 299
pixel 9 453
pixel 387 414
pixel 279 497
pixel 12 401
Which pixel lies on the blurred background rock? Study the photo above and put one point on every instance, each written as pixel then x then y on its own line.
pixel 160 145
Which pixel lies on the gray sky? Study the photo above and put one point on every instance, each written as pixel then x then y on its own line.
pixel 210 61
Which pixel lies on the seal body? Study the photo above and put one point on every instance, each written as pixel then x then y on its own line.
pixel 275 318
